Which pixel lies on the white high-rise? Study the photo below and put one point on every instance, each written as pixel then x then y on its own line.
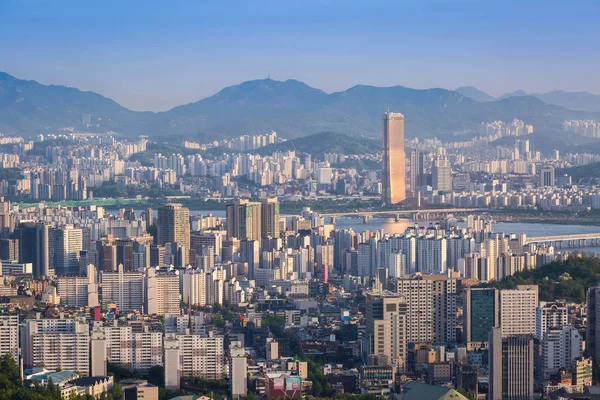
pixel 56 343
pixel 560 347
pixel 79 291
pixel 517 310
pixel 162 292
pixel 123 288
pixel 9 335
pixel 550 315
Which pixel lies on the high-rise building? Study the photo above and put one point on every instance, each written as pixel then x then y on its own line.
pixel 162 292
pixel 441 175
pixel 418 299
pixel 79 291
pixel 203 357
pixel 238 371
pixel 593 323
pixel 67 245
pixel 550 316
pixel 244 220
pixel 418 176
pixel 560 348
pixel 269 218
pixel 394 177
pixel 517 310
pixel 481 314
pixel 56 343
pixel 34 247
pixel 123 288
pixel 173 225
pixel 546 176
pixel 386 327
pixel 9 250
pixel 511 366
pixel 195 287
pixel 9 336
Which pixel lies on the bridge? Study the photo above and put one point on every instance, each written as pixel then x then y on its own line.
pixel 573 240
pixel 419 214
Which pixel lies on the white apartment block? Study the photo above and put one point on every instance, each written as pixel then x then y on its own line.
pixel 79 291
pixel 125 289
pixel 560 348
pixel 162 292
pixel 201 356
pixel 419 308
pixel 56 343
pixel 517 311
pixel 147 350
pixel 9 336
pixel 194 287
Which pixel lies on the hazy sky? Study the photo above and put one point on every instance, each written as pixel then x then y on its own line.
pixel 151 55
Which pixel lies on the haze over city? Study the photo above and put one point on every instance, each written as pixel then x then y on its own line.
pixel 148 55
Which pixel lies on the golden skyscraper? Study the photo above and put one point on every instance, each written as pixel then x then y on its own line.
pixel 394 184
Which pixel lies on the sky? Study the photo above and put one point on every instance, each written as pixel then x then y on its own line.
pixel 154 55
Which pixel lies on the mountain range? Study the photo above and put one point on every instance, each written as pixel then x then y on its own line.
pixel 291 108
pixel 582 101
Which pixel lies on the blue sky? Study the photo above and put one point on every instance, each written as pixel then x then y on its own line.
pixel 153 55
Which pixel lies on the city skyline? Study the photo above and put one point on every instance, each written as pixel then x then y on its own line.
pixel 161 57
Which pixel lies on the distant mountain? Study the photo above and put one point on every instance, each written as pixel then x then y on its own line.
pixel 326 142
pixel 583 101
pixel 474 94
pixel 516 93
pixel 291 108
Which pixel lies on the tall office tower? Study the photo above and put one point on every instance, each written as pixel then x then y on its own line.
pixel 162 292
pixel 481 314
pixel 33 247
pixel 517 310
pixel 441 175
pixel 203 357
pixel 157 255
pixel 148 216
pixel 250 253
pixel 244 220
pixel 511 366
pixel 546 177
pixel 123 288
pixel 394 177
pixel 550 316
pixel 343 240
pixel 269 218
pixel 68 244
pixel 79 291
pixel 560 348
pixel 9 336
pixel 173 225
pixel 418 177
pixel 386 327
pixel 592 335
pixel 9 250
pixel 523 147
pixel 199 240
pixel 107 253
pixel 56 343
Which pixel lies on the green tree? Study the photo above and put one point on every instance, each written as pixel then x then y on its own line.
pixel 156 375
